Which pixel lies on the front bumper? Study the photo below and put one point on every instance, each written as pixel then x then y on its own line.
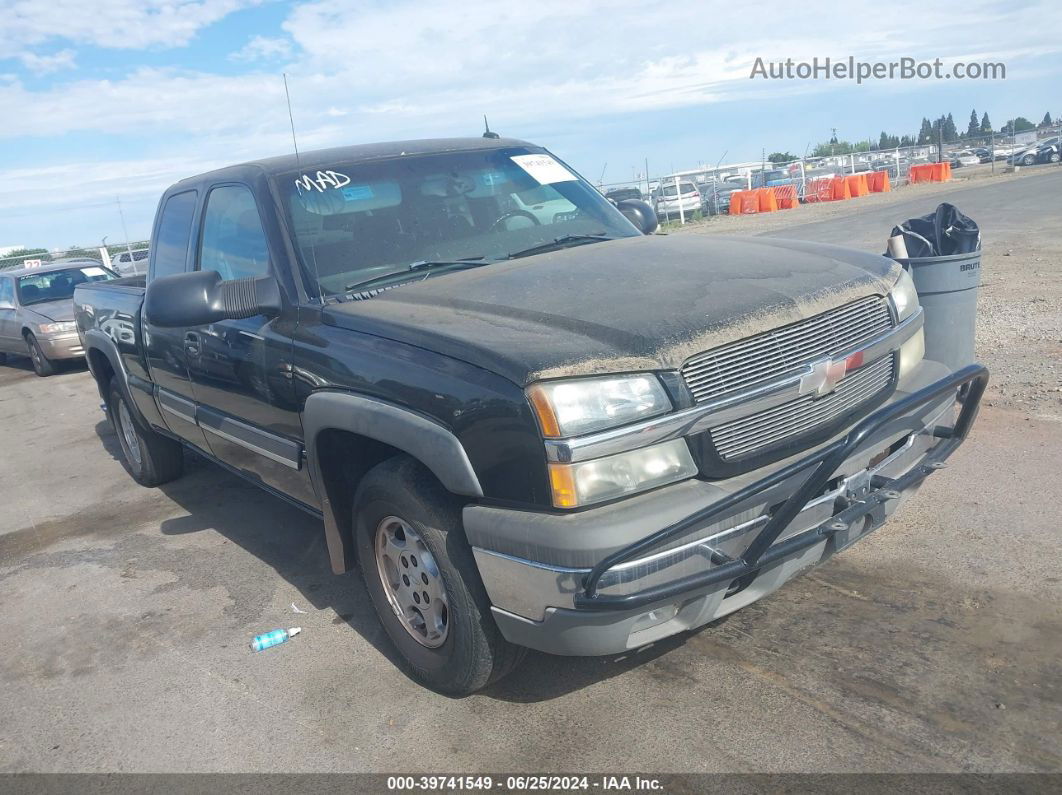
pixel 615 578
pixel 61 346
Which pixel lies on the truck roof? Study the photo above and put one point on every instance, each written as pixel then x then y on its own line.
pixel 375 151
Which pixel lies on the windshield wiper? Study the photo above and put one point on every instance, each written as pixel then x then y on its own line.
pixel 561 242
pixel 419 265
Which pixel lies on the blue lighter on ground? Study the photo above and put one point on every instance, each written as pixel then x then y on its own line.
pixel 274 638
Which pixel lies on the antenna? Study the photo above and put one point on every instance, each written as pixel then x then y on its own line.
pixel 486 129
pixel 291 119
pixel 298 163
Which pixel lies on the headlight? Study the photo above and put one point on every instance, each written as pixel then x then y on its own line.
pixel 57 328
pixel 904 296
pixel 584 405
pixel 587 482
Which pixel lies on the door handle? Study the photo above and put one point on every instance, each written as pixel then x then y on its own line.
pixel 193 343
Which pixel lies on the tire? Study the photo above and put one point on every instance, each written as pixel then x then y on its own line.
pixel 42 365
pixel 151 458
pixel 1028 160
pixel 464 652
pixel 1053 157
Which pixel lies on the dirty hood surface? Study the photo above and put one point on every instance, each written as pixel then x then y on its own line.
pixel 639 303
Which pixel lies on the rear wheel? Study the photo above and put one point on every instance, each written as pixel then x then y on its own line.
pixel 1028 160
pixel 421 575
pixel 151 458
pixel 42 365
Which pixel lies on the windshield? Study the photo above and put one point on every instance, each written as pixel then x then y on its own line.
pixel 39 288
pixel 352 222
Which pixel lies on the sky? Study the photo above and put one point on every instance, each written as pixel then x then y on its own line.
pixel 111 101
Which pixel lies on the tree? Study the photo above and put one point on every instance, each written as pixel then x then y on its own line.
pixel 906 140
pixel 1020 124
pixel 781 157
pixel 986 125
pixel 973 129
pixel 925 133
pixel 1047 122
pixel 87 253
pixel 948 129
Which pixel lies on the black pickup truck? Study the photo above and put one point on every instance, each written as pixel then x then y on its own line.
pixel 531 422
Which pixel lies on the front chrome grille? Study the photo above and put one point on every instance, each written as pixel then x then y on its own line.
pixel 750 435
pixel 765 357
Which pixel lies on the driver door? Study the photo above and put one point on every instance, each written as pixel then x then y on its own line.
pixel 240 369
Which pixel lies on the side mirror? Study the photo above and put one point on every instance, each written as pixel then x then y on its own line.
pixel 640 214
pixel 201 297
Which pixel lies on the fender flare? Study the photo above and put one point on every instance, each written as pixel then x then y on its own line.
pixel 94 339
pixel 425 439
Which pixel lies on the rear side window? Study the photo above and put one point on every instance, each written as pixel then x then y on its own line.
pixel 175 229
pixel 7 291
pixel 234 242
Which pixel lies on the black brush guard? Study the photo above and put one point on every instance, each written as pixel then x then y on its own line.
pixel 968 385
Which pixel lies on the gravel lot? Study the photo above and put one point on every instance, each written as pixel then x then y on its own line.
pixel 934 645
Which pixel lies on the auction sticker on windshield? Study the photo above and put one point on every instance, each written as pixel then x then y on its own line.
pixel 543 168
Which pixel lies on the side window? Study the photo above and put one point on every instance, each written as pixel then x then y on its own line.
pixel 234 243
pixel 175 228
pixel 7 291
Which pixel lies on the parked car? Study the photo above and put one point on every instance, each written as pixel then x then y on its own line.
pixel 964 158
pixel 1045 151
pixel 669 199
pixel 562 434
pixel 774 177
pixel 126 263
pixel 37 311
pixel 717 197
pixel 622 194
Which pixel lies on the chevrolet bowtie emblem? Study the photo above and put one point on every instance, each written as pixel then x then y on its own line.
pixel 824 377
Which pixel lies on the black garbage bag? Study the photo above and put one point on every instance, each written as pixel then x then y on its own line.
pixel 939 234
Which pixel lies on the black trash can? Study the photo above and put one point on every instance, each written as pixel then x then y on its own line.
pixel 947 289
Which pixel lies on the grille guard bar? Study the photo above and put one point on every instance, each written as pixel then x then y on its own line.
pixel 968 384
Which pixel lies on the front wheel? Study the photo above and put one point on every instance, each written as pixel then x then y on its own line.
pixel 423 581
pixel 151 458
pixel 42 365
pixel 1028 160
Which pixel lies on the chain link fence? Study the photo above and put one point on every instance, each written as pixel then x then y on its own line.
pixel 127 260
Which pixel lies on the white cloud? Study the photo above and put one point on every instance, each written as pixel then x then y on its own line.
pixel 262 48
pixel 121 24
pixel 46 64
pixel 363 71
pixel 411 68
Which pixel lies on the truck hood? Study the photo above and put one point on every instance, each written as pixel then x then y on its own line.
pixel 638 303
pixel 51 311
